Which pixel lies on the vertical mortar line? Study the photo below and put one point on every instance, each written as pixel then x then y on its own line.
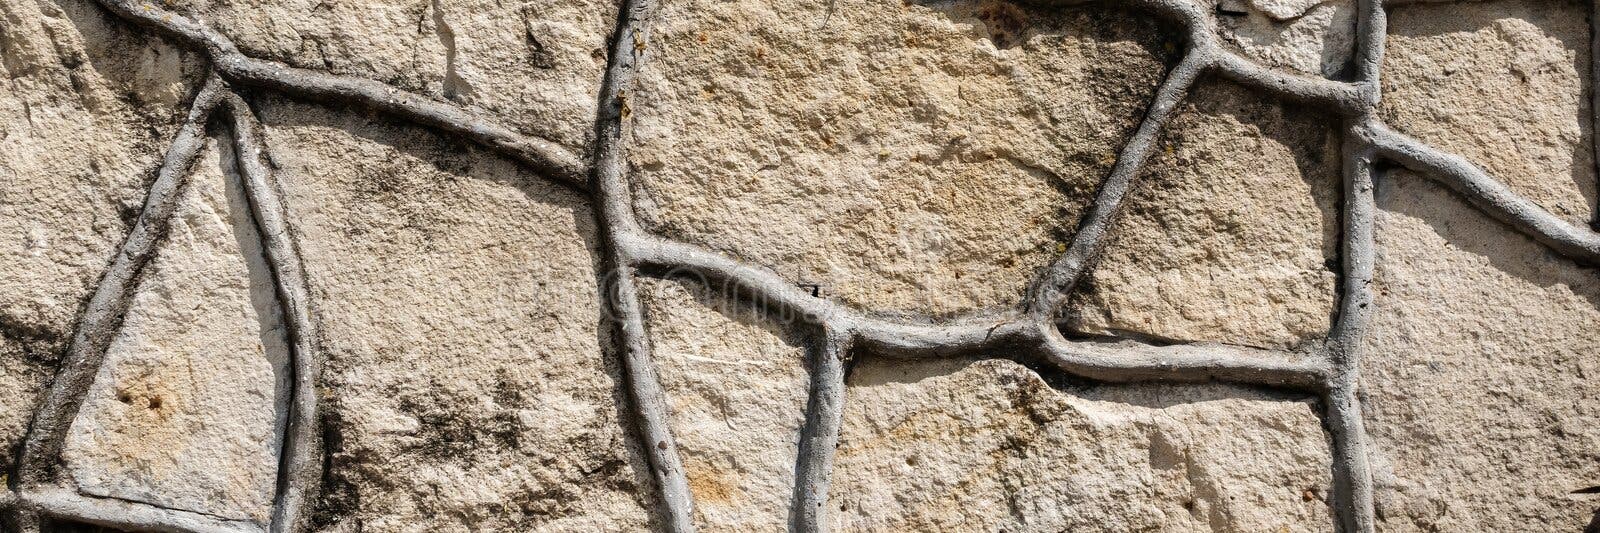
pixel 1056 284
pixel 819 438
pixel 1372 25
pixel 103 315
pixel 1594 103
pixel 1352 476
pixel 300 459
pixel 620 295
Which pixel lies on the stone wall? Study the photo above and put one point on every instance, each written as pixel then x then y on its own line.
pixel 765 265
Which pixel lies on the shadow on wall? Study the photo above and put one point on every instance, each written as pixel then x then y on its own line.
pixel 1466 228
pixel 1477 89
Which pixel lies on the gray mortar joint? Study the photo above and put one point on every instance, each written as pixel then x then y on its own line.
pixel 1329 370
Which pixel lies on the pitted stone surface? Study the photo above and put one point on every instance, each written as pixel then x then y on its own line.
pixel 183 412
pixel 1481 397
pixel 1505 84
pixel 86 107
pixel 925 158
pixel 737 388
pixel 1232 233
pixel 960 445
pixel 934 167
pixel 458 311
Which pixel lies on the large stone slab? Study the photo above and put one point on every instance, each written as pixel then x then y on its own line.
pixel 990 446
pixel 465 385
pixel 86 109
pixel 1505 84
pixel 922 157
pixel 1479 373
pixel 1229 235
pixel 185 410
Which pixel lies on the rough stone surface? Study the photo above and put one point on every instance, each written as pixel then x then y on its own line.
pixel 737 388
pixel 1480 383
pixel 465 385
pixel 1232 234
pixel 1306 36
pixel 533 65
pixel 183 412
pixel 918 162
pixel 1505 84
pixel 86 107
pixel 924 158
pixel 990 445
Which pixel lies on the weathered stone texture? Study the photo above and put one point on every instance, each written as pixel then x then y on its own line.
pixel 982 446
pixel 533 65
pixel 1480 372
pixel 183 412
pixel 737 389
pixel 1505 84
pixel 86 107
pixel 465 386
pixel 1314 37
pixel 920 160
pixel 926 158
pixel 1230 235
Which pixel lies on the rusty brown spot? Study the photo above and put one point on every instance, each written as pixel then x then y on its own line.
pixel 710 485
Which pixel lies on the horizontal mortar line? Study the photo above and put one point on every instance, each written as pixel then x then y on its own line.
pixel 548 157
pixel 61 502
pixel 1126 361
pixel 1489 195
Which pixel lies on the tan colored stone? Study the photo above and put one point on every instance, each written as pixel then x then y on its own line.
pixel 737 389
pixel 919 158
pixel 183 411
pixel 1315 37
pixel 1504 84
pixel 1479 372
pixel 989 446
pixel 1229 234
pixel 533 65
pixel 465 385
pixel 86 107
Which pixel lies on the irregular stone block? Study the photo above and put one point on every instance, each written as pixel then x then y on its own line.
pixel 1479 372
pixel 1315 37
pixel 923 158
pixel 1231 233
pixel 737 387
pixel 465 385
pixel 186 409
pixel 86 108
pixel 961 445
pixel 1505 84
pixel 535 66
